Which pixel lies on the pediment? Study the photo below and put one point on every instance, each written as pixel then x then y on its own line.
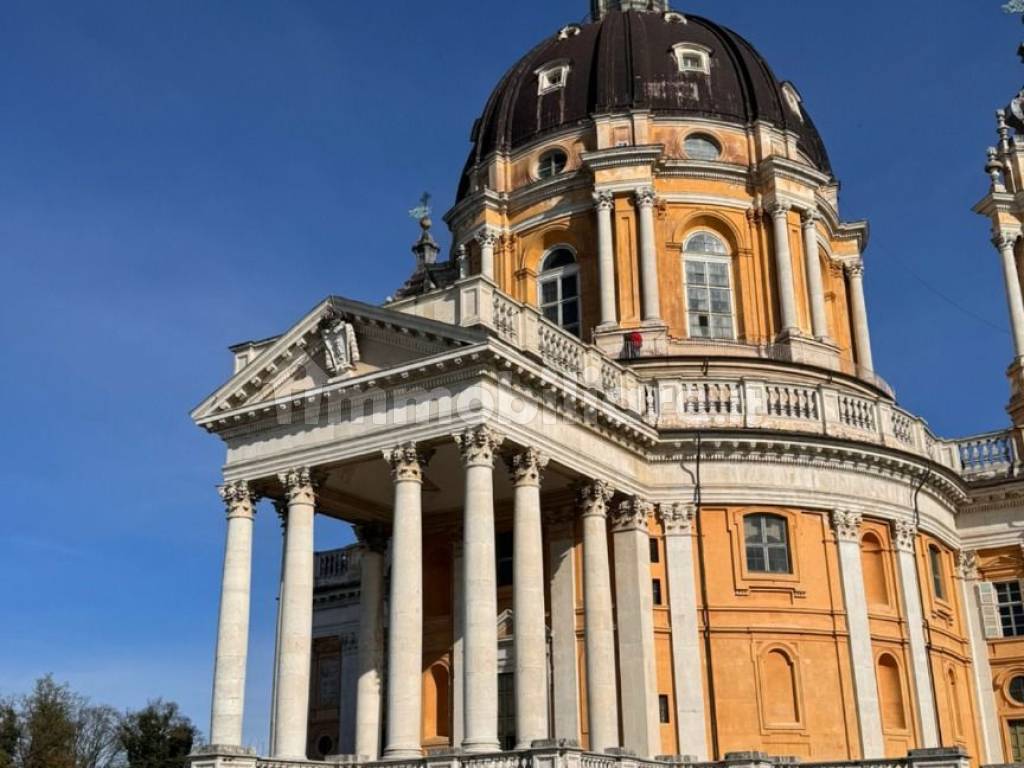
pixel 339 339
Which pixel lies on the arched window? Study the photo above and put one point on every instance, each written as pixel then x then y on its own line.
pixel 700 146
pixel 935 563
pixel 551 163
pixel 559 289
pixel 872 560
pixel 890 691
pixel 709 301
pixel 781 705
pixel 767 543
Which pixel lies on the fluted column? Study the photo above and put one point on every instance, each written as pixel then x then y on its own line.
pixel 487 239
pixel 373 546
pixel 480 629
pixel 815 283
pixel 859 315
pixel 293 665
pixel 233 622
pixel 564 660
pixel 599 639
pixel 1005 243
pixel 604 202
pixel 784 270
pixel 906 558
pixel 687 668
pixel 638 684
pixel 981 668
pixel 846 525
pixel 405 607
pixel 645 199
pixel 528 616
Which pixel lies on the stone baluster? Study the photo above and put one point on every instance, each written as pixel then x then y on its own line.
pixel 233 622
pixel 784 270
pixel 293 665
pixel 373 546
pixel 602 690
pixel 480 631
pixel 651 311
pixel 1005 243
pixel 405 607
pixel 815 283
pixel 604 203
pixel 530 626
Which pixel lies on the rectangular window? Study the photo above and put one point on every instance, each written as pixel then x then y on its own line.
pixel 1011 608
pixel 767 543
pixel 656 589
pixel 664 715
pixel 935 562
pixel 1016 729
pixel 655 551
pixel 709 299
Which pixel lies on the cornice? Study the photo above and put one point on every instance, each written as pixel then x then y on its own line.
pixel 623 157
pixel 791 169
pixel 707 170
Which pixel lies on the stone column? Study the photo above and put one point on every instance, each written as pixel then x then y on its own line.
pixel 604 203
pixel 373 541
pixel 815 284
pixel 1005 243
pixel 991 741
pixel 565 675
pixel 458 645
pixel 859 314
pixel 784 270
pixel 233 622
pixel 480 628
pixel 528 614
pixel 487 239
pixel 846 525
pixel 293 665
pixel 687 666
pixel 634 602
pixel 906 558
pixel 405 607
pixel 602 691
pixel 644 198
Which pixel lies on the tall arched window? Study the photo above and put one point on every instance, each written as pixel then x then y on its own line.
pixel 436 703
pixel 767 543
pixel 872 560
pixel 559 289
pixel 782 704
pixel 709 301
pixel 935 563
pixel 890 691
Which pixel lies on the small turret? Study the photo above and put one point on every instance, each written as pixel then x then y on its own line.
pixel 598 8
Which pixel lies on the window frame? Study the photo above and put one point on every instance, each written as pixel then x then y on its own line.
pixel 726 259
pixel 1016 621
pixel 681 50
pixel 545 156
pixel 546 83
pixel 767 547
pixel 707 137
pixel 556 275
pixel 935 570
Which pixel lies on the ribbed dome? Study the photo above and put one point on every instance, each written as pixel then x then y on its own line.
pixel 625 61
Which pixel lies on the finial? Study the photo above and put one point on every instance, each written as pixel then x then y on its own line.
pixel 426 248
pixel 600 8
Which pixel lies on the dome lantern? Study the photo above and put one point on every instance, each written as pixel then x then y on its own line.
pixel 598 8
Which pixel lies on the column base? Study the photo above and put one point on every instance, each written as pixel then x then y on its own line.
pixel 480 747
pixel 403 753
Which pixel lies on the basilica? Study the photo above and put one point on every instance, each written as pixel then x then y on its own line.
pixel 627 487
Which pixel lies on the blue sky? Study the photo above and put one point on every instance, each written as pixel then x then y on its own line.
pixel 177 177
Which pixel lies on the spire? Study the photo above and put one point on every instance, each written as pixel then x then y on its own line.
pixel 426 248
pixel 600 8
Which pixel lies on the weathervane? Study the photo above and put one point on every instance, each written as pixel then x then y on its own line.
pixel 422 211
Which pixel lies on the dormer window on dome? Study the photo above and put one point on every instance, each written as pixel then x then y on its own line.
pixel 793 100
pixel 552 77
pixel 691 57
pixel 551 163
pixel 700 146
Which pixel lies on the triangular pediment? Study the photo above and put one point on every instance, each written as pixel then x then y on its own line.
pixel 339 339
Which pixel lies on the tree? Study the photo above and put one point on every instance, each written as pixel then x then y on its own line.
pixel 96 736
pixel 48 727
pixel 10 734
pixel 157 736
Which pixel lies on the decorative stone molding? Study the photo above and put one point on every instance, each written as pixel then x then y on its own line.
pixel 298 484
pixel 239 499
pixel 594 498
pixel 644 197
pixel 906 535
pixel 527 467
pixel 632 515
pixel 487 238
pixel 406 463
pixel 1005 240
pixel 339 338
pixel 677 519
pixel 967 565
pixel 604 200
pixel 854 269
pixel 846 524
pixel 809 218
pixel 478 445
pixel 779 210
pixel 373 536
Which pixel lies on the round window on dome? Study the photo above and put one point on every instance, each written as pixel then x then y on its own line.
pixel 551 163
pixel 1017 689
pixel 699 146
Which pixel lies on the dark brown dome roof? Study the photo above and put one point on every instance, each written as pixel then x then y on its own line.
pixel 623 62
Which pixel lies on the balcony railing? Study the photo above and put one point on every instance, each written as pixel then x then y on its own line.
pixel 987 455
pixel 336 567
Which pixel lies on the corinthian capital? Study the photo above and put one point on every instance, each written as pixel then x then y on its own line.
pixel 238 498
pixel 487 238
pixel 594 498
pixel 298 484
pixel 632 515
pixel 478 445
pixel 854 269
pixel 604 200
pixel 406 463
pixel 1005 240
pixel 527 467
pixel 906 535
pixel 809 217
pixel 676 519
pixel 779 210
pixel 967 565
pixel 644 197
pixel 846 524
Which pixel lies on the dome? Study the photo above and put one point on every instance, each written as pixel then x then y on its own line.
pixel 627 60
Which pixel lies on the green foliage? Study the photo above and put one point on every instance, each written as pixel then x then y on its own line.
pixel 48 729
pixel 157 736
pixel 10 734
